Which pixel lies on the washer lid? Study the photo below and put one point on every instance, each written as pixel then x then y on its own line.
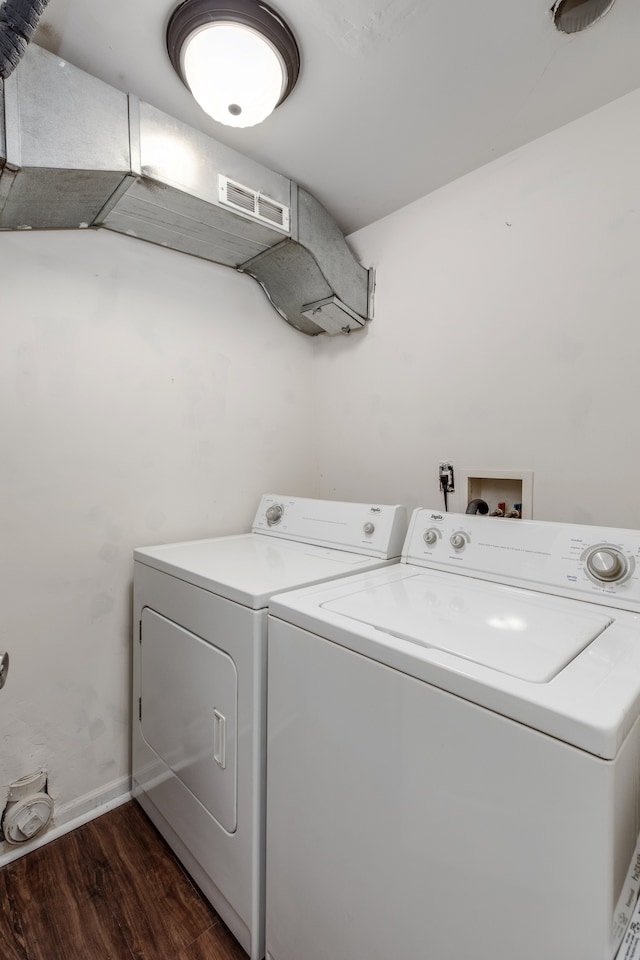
pixel 529 637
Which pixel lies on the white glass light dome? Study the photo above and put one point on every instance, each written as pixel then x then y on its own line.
pixel 237 57
pixel 235 74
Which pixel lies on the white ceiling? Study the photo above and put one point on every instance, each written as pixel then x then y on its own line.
pixel 395 97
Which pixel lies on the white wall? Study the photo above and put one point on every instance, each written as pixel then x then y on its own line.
pixel 145 397
pixel 149 397
pixel 507 333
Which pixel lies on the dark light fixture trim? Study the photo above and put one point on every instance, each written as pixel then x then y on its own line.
pixel 573 16
pixel 192 15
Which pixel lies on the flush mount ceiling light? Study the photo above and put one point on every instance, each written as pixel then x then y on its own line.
pixel 572 16
pixel 238 58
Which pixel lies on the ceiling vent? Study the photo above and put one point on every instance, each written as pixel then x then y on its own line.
pixel 254 204
pixel 572 16
pixel 77 153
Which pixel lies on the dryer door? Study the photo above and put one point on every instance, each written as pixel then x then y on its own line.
pixel 188 712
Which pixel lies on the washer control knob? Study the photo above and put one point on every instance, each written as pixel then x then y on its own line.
pixel 430 537
pixel 607 564
pixel 458 541
pixel 274 513
pixel 369 528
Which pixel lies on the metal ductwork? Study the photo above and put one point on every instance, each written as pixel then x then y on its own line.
pixel 77 153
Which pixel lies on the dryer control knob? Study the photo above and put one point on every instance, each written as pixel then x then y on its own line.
pixel 430 537
pixel 458 541
pixel 607 564
pixel 274 513
pixel 369 528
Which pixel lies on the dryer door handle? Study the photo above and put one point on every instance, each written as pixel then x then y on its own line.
pixel 219 739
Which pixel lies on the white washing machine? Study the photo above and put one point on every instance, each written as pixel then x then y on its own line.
pixel 454 749
pixel 199 681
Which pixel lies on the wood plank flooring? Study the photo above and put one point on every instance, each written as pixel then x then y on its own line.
pixel 110 890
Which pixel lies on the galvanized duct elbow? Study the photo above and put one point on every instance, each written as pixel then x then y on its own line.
pixel 18 22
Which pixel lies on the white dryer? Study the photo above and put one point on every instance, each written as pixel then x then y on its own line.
pixel 454 749
pixel 199 681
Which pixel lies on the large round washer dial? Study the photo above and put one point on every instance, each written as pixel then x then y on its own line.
pixel 274 513
pixel 606 563
pixel 430 536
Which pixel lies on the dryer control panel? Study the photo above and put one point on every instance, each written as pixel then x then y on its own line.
pixel 372 529
pixel 597 563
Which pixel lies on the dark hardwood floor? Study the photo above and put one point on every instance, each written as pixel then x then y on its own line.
pixel 110 890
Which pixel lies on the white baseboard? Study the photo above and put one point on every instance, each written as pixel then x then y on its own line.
pixel 71 815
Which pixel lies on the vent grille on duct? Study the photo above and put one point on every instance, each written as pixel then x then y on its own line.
pixel 239 197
